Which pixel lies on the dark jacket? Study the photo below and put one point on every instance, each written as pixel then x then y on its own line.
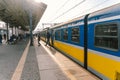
pixel 39 37
pixel 48 35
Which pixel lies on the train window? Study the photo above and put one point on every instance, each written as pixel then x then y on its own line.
pixel 58 35
pixel 75 34
pixel 106 36
pixel 55 35
pixel 65 34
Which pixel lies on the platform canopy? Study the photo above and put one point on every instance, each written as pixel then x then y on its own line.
pixel 17 12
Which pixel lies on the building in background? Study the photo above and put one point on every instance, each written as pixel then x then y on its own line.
pixel 3 28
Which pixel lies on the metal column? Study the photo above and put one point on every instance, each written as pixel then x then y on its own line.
pixel 85 40
pixel 7 33
pixel 31 35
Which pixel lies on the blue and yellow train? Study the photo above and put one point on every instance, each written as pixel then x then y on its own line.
pixel 92 40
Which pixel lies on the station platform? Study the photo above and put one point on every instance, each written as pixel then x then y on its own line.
pixel 53 65
pixel 39 63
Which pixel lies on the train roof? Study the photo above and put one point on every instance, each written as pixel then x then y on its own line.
pixel 81 18
pixel 113 10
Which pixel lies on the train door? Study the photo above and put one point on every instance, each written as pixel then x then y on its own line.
pixel 52 37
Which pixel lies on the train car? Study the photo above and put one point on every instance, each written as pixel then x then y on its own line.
pixel 104 43
pixel 93 41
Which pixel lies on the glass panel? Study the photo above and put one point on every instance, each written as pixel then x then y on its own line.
pixel 65 34
pixel 75 34
pixel 58 35
pixel 106 42
pixel 106 36
pixel 108 30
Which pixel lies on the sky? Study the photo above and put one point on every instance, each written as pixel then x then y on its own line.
pixel 64 10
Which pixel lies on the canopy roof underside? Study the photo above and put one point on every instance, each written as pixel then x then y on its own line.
pixel 17 12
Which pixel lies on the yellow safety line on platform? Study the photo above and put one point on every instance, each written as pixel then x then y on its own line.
pixel 69 75
pixel 18 71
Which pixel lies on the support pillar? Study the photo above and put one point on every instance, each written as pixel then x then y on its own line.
pixel 7 33
pixel 31 35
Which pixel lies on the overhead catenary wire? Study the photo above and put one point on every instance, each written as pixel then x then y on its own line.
pixel 68 10
pixel 62 6
pixel 92 8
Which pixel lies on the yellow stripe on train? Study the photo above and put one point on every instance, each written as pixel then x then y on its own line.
pixel 105 66
pixel 72 51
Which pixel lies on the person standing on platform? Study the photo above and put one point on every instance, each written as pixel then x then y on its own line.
pixel 0 39
pixel 4 37
pixel 48 38
pixel 39 39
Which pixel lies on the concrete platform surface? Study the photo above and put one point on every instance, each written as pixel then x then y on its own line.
pixel 55 66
